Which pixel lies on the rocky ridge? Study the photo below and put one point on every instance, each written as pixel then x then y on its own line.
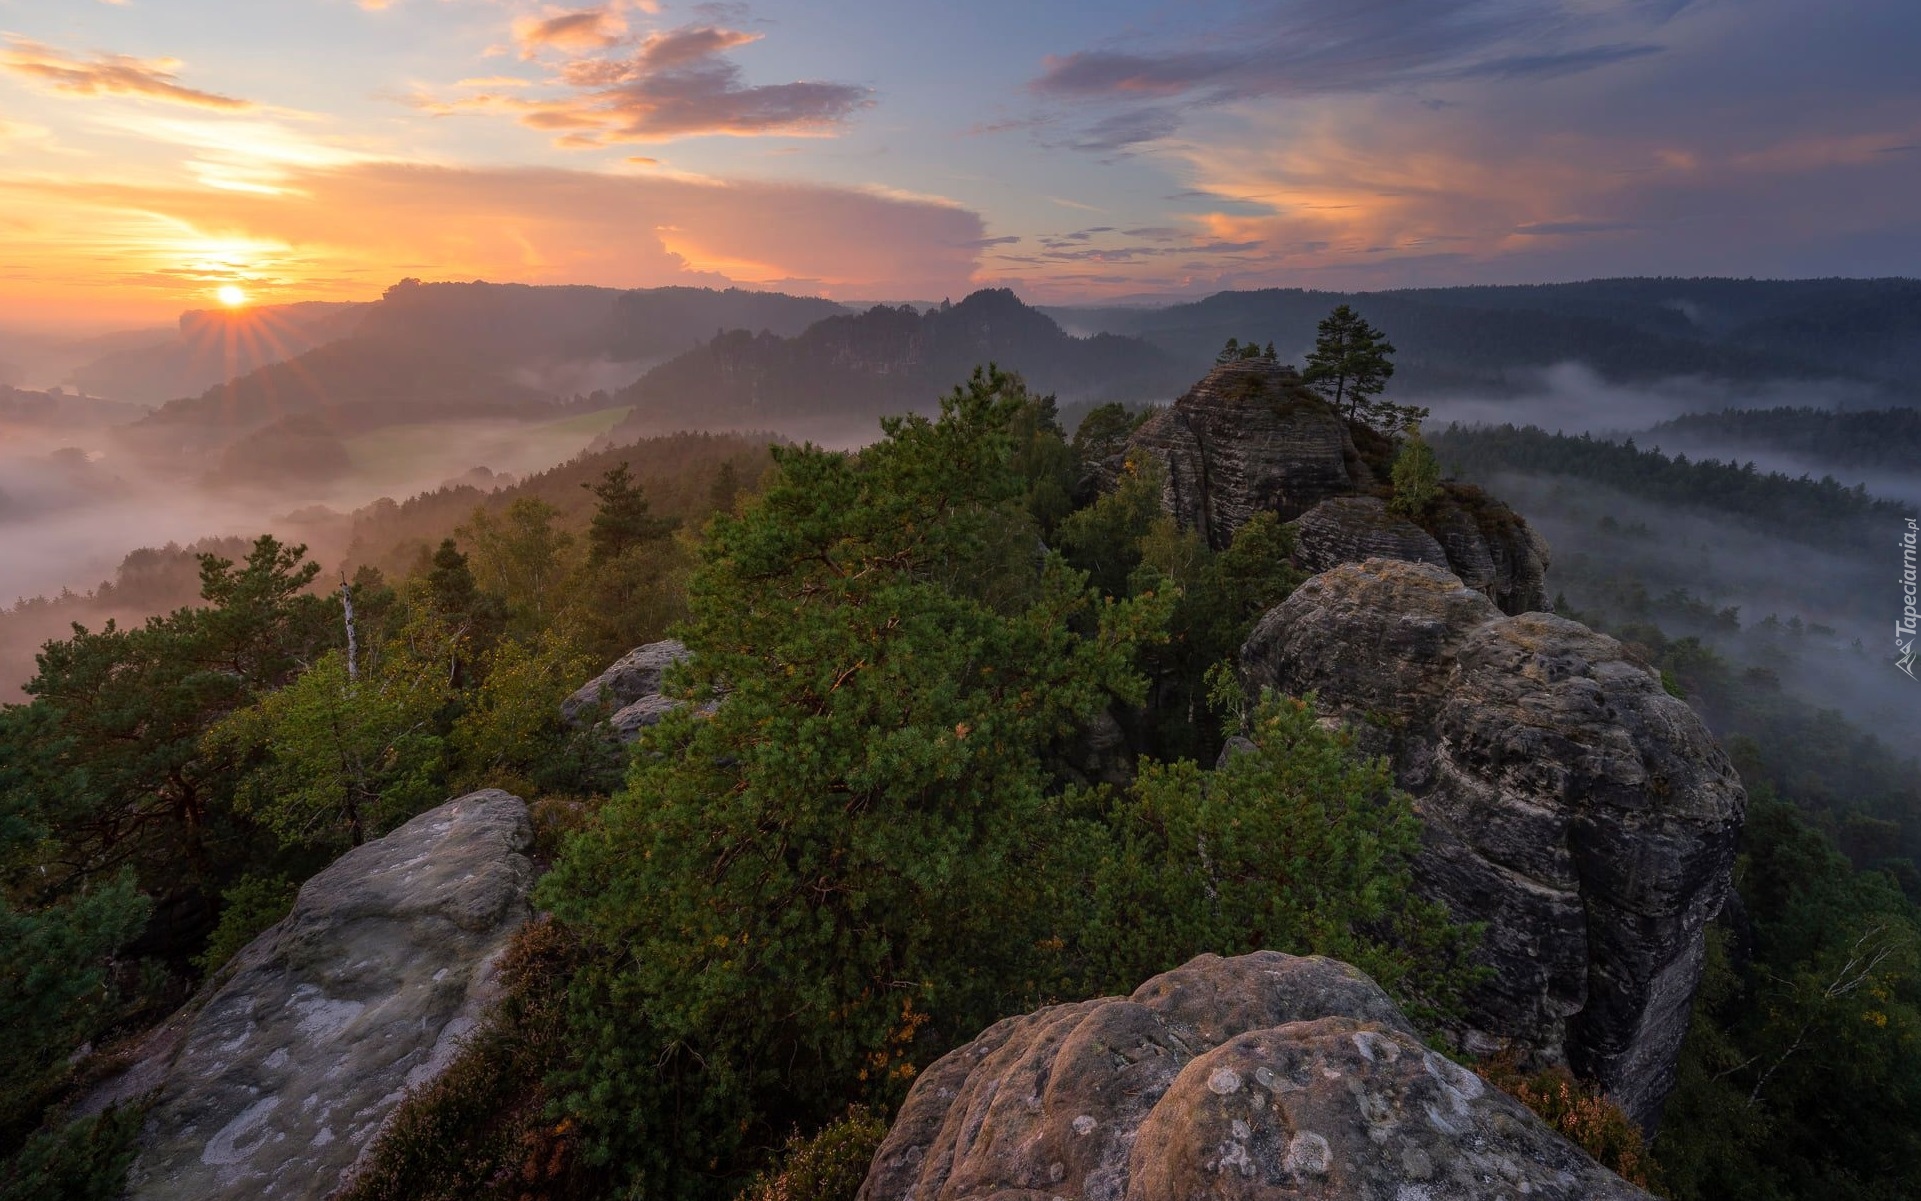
pixel 1250 438
pixel 1566 800
pixel 1260 1076
pixel 279 1082
pixel 631 688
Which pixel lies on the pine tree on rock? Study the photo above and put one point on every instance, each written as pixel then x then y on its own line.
pixel 1350 366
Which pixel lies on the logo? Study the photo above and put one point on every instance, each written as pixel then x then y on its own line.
pixel 1904 629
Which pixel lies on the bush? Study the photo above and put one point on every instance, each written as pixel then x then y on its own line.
pixel 248 907
pixel 1579 1113
pixel 86 1160
pixel 830 1166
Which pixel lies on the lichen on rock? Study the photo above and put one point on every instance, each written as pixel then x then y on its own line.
pixel 1258 1076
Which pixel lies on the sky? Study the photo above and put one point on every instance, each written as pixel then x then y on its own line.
pixel 154 151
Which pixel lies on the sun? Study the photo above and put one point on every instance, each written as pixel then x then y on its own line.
pixel 231 296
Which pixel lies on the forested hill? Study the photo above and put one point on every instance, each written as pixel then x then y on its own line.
pixel 892 359
pixel 1627 330
pixel 1865 438
pixel 1820 512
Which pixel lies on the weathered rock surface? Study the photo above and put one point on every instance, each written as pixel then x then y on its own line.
pixel 1566 800
pixel 1350 529
pixel 1488 546
pixel 1248 438
pixel 631 687
pixel 284 1076
pixel 1261 1076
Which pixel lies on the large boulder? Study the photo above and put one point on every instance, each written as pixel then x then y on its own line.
pixel 1350 529
pixel 630 688
pixel 1261 1076
pixel 1248 438
pixel 1566 799
pixel 280 1081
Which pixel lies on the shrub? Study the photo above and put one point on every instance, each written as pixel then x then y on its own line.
pixel 249 906
pixel 1579 1112
pixel 830 1166
pixel 85 1160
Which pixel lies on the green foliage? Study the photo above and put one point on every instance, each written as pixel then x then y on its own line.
pixel 829 1166
pixel 329 760
pixel 1801 1074
pixel 802 896
pixel 248 907
pixel 510 734
pixel 1294 844
pixel 520 556
pixel 1044 460
pixel 1236 351
pixel 1350 366
pixel 621 522
pixel 1417 477
pixel 83 1160
pixel 1104 539
pixel 55 991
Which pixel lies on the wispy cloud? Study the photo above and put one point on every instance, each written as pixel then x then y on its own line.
pixel 108 75
pixel 668 84
pixel 1306 48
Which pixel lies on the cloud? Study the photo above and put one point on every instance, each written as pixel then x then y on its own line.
pixel 674 83
pixel 348 231
pixel 1304 48
pixel 579 31
pixel 108 74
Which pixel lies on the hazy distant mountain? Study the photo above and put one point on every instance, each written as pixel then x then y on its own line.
pixel 428 352
pixel 890 360
pixel 54 410
pixel 213 346
pixel 1627 330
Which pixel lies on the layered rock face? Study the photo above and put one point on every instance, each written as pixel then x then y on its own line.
pixel 279 1083
pixel 1248 438
pixel 631 687
pixel 1350 529
pixel 1260 1076
pixel 1566 800
pixel 1486 545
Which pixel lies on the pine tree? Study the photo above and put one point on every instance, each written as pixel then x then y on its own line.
pixel 622 520
pixel 1349 365
pixel 1417 476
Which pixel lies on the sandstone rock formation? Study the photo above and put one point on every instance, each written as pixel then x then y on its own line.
pixel 281 1080
pixel 1479 539
pixel 1249 437
pixel 1566 800
pixel 1350 529
pixel 631 687
pixel 1260 1076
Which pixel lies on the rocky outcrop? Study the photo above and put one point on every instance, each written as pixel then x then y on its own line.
pixel 1566 800
pixel 631 688
pixel 1248 438
pixel 1260 1076
pixel 283 1077
pixel 1349 529
pixel 1482 541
